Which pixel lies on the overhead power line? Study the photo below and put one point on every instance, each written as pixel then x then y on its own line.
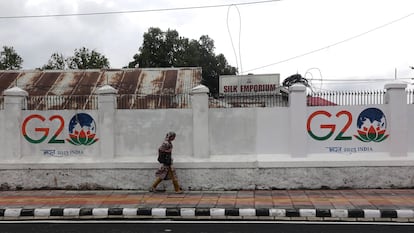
pixel 332 45
pixel 231 38
pixel 136 11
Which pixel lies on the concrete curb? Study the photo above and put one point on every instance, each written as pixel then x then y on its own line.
pixel 381 215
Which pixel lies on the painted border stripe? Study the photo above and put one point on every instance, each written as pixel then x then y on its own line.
pixel 101 212
pixel 187 212
pixel 232 212
pixel 172 212
pixel 115 211
pixel 247 212
pixel 85 212
pixel 339 213
pixel 388 214
pixel 405 213
pixel 202 212
pixel 262 212
pixel 307 212
pixel 56 212
pixel 323 213
pixel 277 212
pixel 42 212
pixel 13 212
pixel 292 213
pixel 71 212
pixel 356 213
pixel 143 211
pixel 129 211
pixel 27 213
pixel 159 212
pixel 372 214
pixel 217 212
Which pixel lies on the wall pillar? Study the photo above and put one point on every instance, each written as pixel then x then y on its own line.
pixel 396 100
pixel 199 103
pixel 106 110
pixel 13 105
pixel 298 113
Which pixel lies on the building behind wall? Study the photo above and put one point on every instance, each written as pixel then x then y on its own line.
pixel 76 89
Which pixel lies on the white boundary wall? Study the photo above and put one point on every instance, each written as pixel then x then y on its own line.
pixel 237 148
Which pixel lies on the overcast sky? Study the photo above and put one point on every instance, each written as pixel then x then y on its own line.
pixel 322 39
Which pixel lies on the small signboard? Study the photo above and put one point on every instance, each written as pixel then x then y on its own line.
pixel 249 84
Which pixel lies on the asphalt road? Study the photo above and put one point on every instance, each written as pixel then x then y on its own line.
pixel 201 227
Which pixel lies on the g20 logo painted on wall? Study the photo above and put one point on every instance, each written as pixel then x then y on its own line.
pixel 371 126
pixel 81 128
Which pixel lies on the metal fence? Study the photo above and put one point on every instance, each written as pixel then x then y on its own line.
pixel 61 102
pixel 127 101
pixel 139 101
pixel 332 98
pixel 249 101
pixel 410 96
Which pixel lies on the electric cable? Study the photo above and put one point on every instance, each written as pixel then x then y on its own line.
pixel 333 44
pixel 136 11
pixel 308 71
pixel 231 38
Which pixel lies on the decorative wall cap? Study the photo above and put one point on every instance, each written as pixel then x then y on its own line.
pixel 15 91
pixel 200 89
pixel 395 85
pixel 297 87
pixel 106 89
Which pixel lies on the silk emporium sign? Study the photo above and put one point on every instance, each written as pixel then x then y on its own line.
pixel 249 84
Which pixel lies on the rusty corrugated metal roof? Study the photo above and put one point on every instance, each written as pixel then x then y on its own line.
pixel 150 83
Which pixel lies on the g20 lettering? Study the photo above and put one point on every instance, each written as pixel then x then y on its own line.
pixel 371 126
pixel 82 129
pixel 331 127
pixel 43 130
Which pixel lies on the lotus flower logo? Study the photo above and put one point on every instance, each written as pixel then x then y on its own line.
pixel 372 126
pixel 82 130
pixel 371 134
pixel 82 138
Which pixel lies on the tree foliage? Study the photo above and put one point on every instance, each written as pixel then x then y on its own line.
pixel 56 62
pixel 9 59
pixel 82 58
pixel 169 49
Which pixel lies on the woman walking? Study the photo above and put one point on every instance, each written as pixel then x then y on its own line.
pixel 166 170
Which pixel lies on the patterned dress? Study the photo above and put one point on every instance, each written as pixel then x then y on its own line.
pixel 165 171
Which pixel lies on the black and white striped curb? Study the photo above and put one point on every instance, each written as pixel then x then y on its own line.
pixel 212 213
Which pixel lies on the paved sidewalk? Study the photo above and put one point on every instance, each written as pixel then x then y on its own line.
pixel 314 205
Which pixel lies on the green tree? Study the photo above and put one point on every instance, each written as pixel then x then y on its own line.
pixel 83 58
pixel 169 49
pixel 9 59
pixel 56 62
